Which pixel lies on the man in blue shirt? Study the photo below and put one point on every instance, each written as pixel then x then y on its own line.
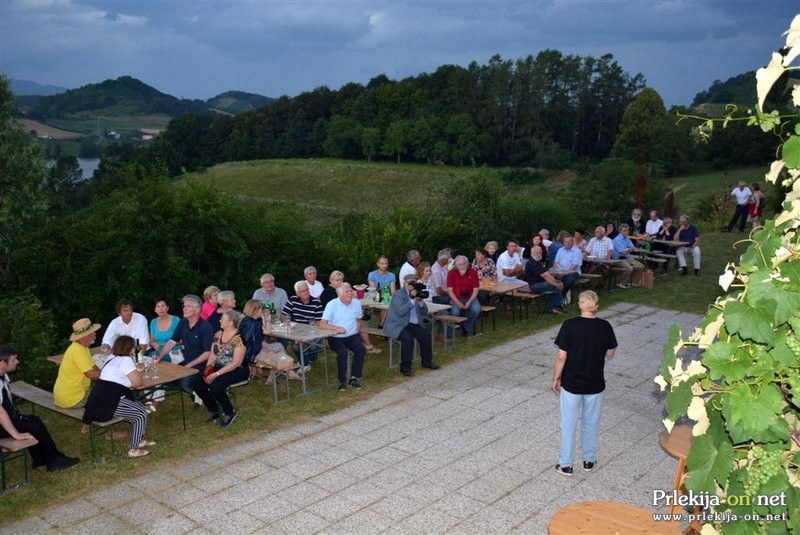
pixel 343 315
pixel 688 234
pixel 623 246
pixel 569 259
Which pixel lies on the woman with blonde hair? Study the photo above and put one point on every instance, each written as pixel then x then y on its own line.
pixel 209 302
pixel 226 366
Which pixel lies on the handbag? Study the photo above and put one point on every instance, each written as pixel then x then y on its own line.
pixel 278 361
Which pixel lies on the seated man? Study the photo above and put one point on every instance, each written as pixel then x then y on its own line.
pixel 314 286
pixel 129 323
pixel 302 308
pixel 688 234
pixel 382 279
pixel 439 277
pixel 666 233
pixel 509 264
pixel 413 259
pixel 635 222
pixel 623 246
pixel 271 293
pixel 462 287
pixel 599 247
pixel 196 336
pixel 343 315
pixel 25 427
pixel 403 322
pixel 540 281
pixel 653 224
pixel 569 259
pixel 77 370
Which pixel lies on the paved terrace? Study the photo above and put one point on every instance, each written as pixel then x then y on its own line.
pixel 469 448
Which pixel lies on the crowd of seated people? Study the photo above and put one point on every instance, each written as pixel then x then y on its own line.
pixel 211 333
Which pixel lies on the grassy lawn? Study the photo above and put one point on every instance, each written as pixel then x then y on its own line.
pixel 260 415
pixel 331 186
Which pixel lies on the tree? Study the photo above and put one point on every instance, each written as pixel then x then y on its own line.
pixel 370 142
pixel 640 133
pixel 23 199
pixel 396 139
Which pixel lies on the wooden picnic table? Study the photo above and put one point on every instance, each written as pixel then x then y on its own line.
pixel 167 373
pixel 504 288
pixel 302 333
pixel 607 517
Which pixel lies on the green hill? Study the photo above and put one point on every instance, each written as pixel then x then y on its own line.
pixel 236 102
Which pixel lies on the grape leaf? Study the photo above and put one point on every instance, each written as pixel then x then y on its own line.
pixel 781 353
pixel 723 359
pixel 768 294
pixel 678 399
pixel 750 323
pixel 740 527
pixel 751 413
pixel 708 462
pixel 668 355
pixel 791 270
pixel 791 151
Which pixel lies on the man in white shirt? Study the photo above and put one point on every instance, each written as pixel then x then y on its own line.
pixel 129 323
pixel 743 197
pixel 509 264
pixel 653 224
pixel 314 286
pixel 343 315
pixel 439 277
pixel 413 259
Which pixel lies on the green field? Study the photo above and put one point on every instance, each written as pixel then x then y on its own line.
pixel 122 123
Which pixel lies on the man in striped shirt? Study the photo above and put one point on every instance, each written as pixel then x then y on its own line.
pixel 302 308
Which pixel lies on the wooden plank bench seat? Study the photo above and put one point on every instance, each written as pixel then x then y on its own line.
pixel 374 331
pixel 42 398
pixel 11 449
pixel 448 320
pixel 492 311
pixel 525 297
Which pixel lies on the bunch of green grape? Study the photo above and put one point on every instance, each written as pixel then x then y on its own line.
pixel 792 342
pixel 765 465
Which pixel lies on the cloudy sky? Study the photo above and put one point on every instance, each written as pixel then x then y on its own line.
pixel 200 48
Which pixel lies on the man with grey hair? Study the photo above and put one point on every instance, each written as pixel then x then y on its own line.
pixel 743 196
pixel 271 293
pixel 314 286
pixel 439 277
pixel 302 308
pixel 462 287
pixel 195 334
pixel 623 247
pixel 406 311
pixel 413 259
pixel 690 237
pixel 343 315
pixel 545 234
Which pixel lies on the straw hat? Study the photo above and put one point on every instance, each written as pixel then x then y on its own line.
pixel 82 328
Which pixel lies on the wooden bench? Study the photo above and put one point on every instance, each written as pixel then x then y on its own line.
pixel 450 321
pixel 11 449
pixel 374 331
pixel 42 398
pixel 489 310
pixel 526 298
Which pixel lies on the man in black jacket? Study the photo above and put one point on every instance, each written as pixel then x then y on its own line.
pixel 24 426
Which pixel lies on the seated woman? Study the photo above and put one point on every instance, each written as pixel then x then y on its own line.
pixel 336 279
pixel 487 271
pixel 253 327
pixel 536 239
pixel 209 302
pixel 162 327
pixel 226 366
pixel 112 395
pixel 424 273
pixel 492 250
pixel 579 241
